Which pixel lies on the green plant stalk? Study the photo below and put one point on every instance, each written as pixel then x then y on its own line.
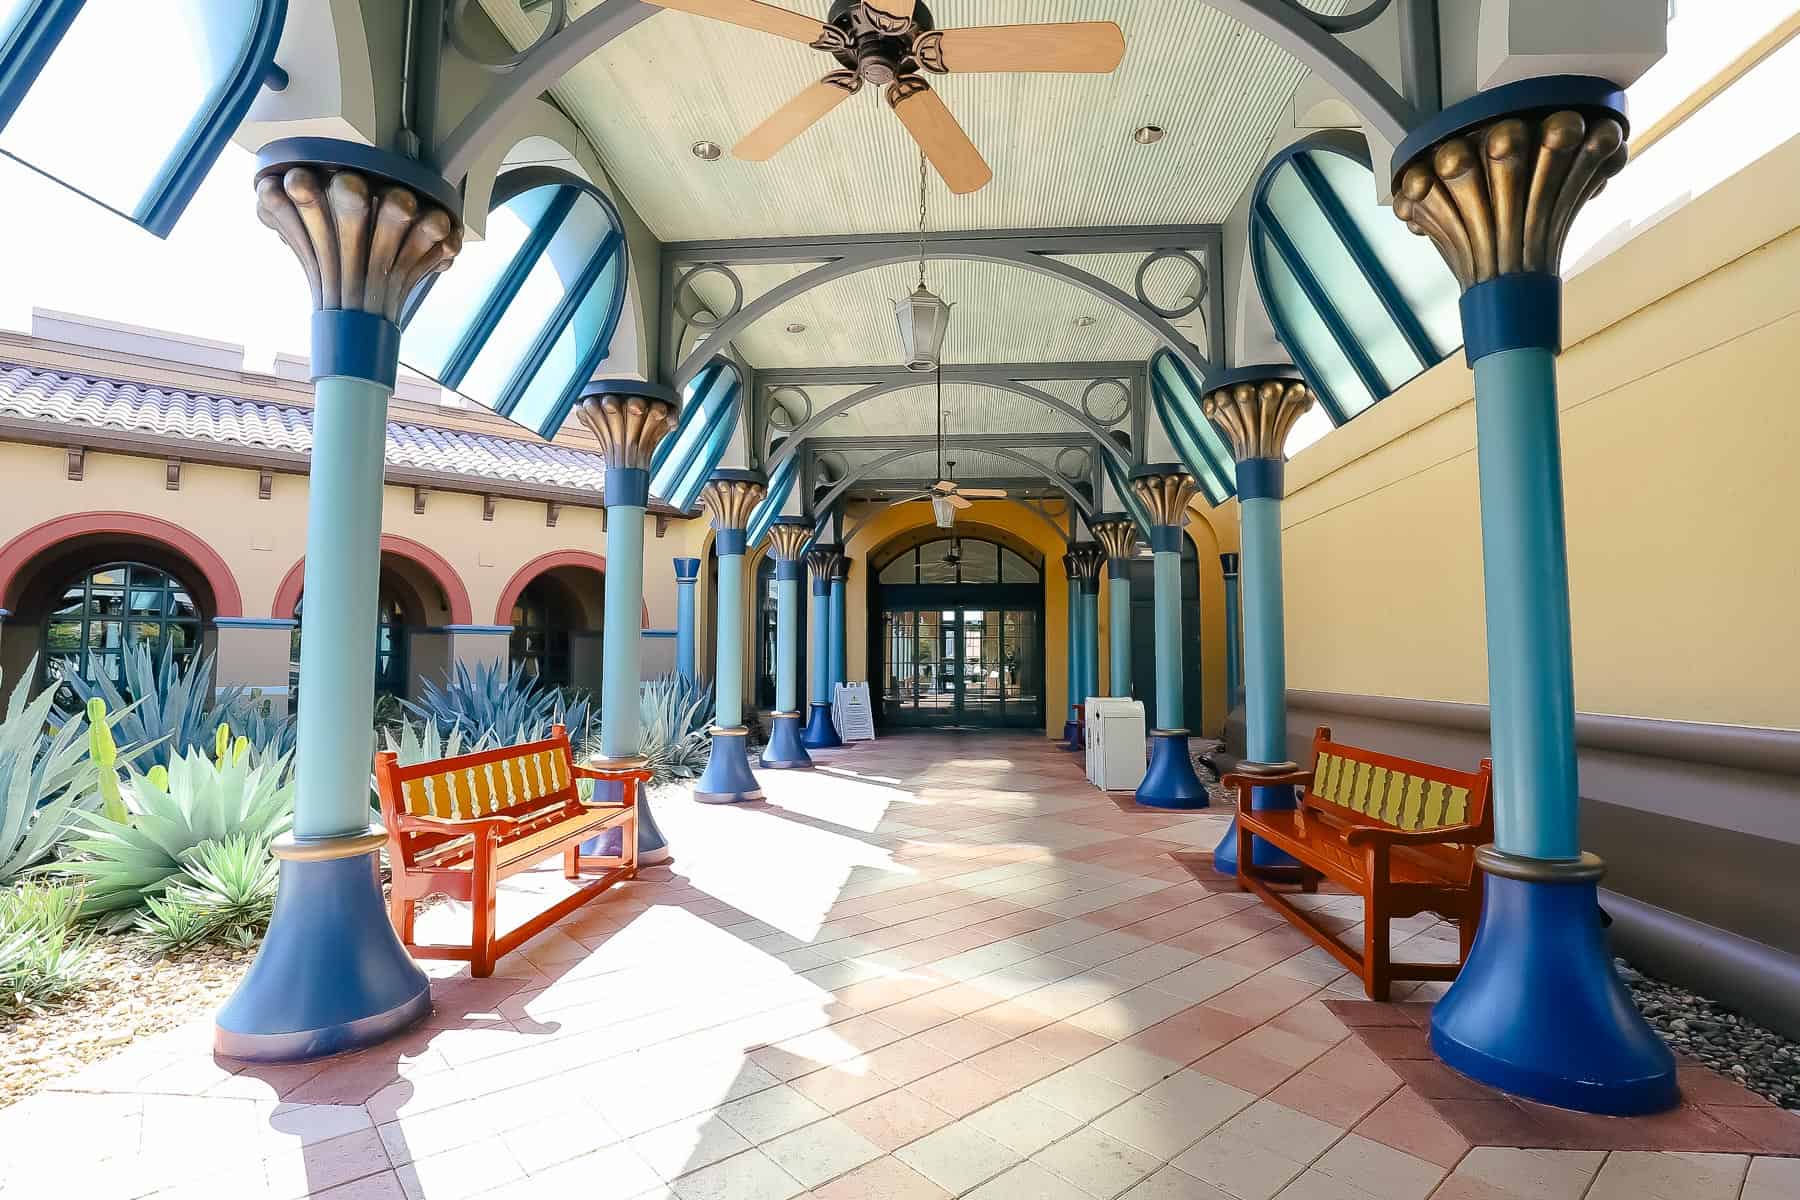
pixel 105 753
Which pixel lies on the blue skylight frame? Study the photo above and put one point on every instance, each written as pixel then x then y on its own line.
pixel 1317 295
pixel 781 484
pixel 37 33
pixel 1176 395
pixel 709 416
pixel 540 405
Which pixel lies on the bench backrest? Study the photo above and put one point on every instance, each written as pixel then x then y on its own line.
pixel 1365 787
pixel 483 784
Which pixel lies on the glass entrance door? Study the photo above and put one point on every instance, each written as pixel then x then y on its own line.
pixel 962 666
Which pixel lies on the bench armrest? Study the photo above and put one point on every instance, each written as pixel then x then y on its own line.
pixel 638 775
pixel 457 825
pixel 1246 785
pixel 1359 835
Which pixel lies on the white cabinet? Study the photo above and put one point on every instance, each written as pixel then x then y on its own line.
pixel 1115 743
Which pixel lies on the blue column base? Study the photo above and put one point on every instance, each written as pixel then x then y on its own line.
pixel 820 733
pixel 331 976
pixel 1071 734
pixel 1538 1010
pixel 652 846
pixel 1225 854
pixel 785 751
pixel 1170 781
pixel 727 778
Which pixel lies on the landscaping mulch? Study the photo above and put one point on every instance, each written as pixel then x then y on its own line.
pixel 128 996
pixel 1728 1042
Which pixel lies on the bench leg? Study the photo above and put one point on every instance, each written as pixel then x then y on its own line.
pixel 1244 851
pixel 402 911
pixel 1376 974
pixel 572 861
pixel 1309 880
pixel 481 936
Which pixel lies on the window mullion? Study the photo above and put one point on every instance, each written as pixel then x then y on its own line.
pixel 506 289
pixel 1334 410
pixel 1315 294
pixel 25 53
pixel 1376 275
pixel 533 359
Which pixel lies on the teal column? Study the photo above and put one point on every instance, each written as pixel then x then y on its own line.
pixel 1165 490
pixel 731 497
pixel 331 975
pixel 1088 559
pixel 1234 633
pixel 1117 535
pixel 1071 738
pixel 629 418
pixel 1537 1009
pixel 687 576
pixel 1257 407
pixel 840 587
pixel 821 732
pixel 786 750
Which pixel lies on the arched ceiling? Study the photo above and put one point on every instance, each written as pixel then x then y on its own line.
pixel 1060 145
pixel 968 408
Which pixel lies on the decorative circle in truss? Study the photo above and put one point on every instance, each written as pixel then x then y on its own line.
pixel 1106 401
pixel 832 466
pixel 1073 463
pixel 557 17
pixel 790 407
pixel 704 317
pixel 1194 293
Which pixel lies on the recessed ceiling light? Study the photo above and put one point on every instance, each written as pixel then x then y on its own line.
pixel 796 327
pixel 1145 136
pixel 1084 322
pixel 707 151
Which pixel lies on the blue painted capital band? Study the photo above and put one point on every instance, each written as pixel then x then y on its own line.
pixel 821 587
pixel 789 570
pixel 687 571
pixel 1512 312
pixel 1165 539
pixel 627 487
pixel 1090 585
pixel 731 542
pixel 351 344
pixel 1260 478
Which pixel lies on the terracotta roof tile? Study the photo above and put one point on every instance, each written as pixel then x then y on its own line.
pixel 53 396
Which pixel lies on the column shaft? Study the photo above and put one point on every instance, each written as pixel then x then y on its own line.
pixel 839 627
pixel 728 676
pixel 1265 658
pixel 1119 633
pixel 821 646
pixel 622 660
pixel 1167 599
pixel 337 644
pixel 687 571
pixel 787 640
pixel 1090 643
pixel 1234 642
pixel 1531 677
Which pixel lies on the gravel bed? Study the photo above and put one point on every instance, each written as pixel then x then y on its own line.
pixel 129 995
pixel 1731 1044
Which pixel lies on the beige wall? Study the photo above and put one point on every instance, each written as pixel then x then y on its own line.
pixel 1681 431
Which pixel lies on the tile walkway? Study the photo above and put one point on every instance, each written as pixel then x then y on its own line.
pixel 942 965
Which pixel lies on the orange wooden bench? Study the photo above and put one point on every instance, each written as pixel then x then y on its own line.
pixel 457 826
pixel 1400 833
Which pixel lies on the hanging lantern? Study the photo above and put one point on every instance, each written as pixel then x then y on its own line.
pixel 924 319
pixel 943 512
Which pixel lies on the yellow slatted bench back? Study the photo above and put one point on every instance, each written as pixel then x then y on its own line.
pixel 1399 792
pixel 487 782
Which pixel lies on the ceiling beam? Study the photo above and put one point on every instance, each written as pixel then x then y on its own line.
pixel 974 441
pixel 867 470
pixel 1097 239
pixel 1121 369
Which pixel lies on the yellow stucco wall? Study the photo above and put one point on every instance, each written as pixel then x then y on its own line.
pixel 1681 434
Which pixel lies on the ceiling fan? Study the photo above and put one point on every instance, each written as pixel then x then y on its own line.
pixel 947 496
pixel 889 43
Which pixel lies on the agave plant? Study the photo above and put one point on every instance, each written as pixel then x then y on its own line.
pixel 489 703
pixel 42 957
pixel 176 708
pixel 675 712
pixel 195 800
pixel 226 893
pixel 46 783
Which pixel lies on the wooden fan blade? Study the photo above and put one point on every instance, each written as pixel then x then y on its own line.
pixel 795 117
pixel 909 499
pixel 923 113
pixel 957 502
pixel 1096 46
pixel 984 493
pixel 890 16
pixel 944 485
pixel 752 14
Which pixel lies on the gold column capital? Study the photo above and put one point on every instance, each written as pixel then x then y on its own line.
pixel 629 422
pixel 1084 561
pixel 821 562
pixel 840 568
pixel 788 538
pixel 1257 414
pixel 1498 198
pixel 1165 493
pixel 1118 534
pixel 365 241
pixel 731 498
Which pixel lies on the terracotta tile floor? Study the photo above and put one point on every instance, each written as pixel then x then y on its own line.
pixel 941 965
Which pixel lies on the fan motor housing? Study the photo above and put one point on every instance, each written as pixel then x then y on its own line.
pixel 878 57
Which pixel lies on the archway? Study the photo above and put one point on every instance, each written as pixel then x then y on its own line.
pixel 556 607
pixel 81 588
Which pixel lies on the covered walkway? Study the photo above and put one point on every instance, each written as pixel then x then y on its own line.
pixel 940 965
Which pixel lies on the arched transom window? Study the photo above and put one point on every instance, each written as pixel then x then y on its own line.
pixel 107 610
